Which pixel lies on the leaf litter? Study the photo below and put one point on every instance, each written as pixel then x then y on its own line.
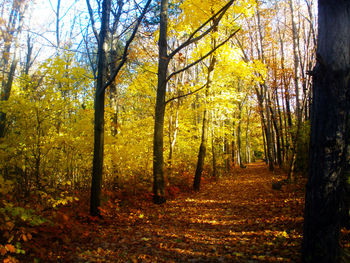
pixel 237 218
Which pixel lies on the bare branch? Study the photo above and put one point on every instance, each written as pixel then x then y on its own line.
pixel 204 57
pixel 185 95
pixel 92 20
pixel 117 16
pixel 126 48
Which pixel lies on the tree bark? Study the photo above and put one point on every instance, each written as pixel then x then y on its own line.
pixel 204 138
pixel 239 144
pixel 296 60
pixel 97 168
pixel 158 158
pixel 329 134
pixel 278 136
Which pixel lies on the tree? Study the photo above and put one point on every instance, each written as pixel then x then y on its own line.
pixel 101 84
pixel 330 134
pixel 10 32
pixel 163 63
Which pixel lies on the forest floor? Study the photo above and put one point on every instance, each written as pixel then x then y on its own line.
pixel 238 218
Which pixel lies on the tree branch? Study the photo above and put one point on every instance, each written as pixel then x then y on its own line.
pixel 204 57
pixel 126 48
pixel 92 20
pixel 185 95
pixel 191 38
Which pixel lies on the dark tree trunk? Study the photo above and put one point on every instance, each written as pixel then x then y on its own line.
pixel 97 168
pixel 214 152
pixel 158 158
pixel 233 147
pixel 203 146
pixel 266 125
pixel 202 152
pixel 278 136
pixel 5 95
pixel 296 60
pixel 329 134
pixel 268 131
pixel 239 144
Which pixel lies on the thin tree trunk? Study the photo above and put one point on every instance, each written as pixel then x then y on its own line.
pixel 296 60
pixel 213 151
pixel 239 144
pixel 247 147
pixel 233 146
pixel 204 138
pixel 264 141
pixel 278 136
pixel 97 167
pixel 158 158
pixel 173 135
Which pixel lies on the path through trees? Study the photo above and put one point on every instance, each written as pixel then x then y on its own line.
pixel 238 218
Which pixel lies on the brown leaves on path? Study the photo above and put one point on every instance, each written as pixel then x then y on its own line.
pixel 239 218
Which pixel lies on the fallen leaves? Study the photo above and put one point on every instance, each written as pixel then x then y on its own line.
pixel 236 219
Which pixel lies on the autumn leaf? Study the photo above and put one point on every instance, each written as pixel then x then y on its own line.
pixel 10 248
pixel 3 251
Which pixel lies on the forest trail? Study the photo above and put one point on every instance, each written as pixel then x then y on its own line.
pixel 238 218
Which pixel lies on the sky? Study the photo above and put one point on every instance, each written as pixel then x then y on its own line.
pixel 42 21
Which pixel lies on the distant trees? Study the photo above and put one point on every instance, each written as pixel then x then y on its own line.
pixel 234 96
pixel 11 24
pixel 330 135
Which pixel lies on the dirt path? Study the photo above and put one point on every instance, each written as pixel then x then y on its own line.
pixel 236 219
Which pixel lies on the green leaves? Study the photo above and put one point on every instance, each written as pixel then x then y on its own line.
pixel 22 214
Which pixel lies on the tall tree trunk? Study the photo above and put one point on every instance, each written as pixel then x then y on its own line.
pixel 214 152
pixel 204 138
pixel 330 131
pixel 8 68
pixel 296 60
pixel 262 97
pixel 233 146
pixel 268 130
pixel 97 167
pixel 173 129
pixel 158 158
pixel 5 95
pixel 280 127
pixel 278 136
pixel 247 146
pixel 239 144
pixel 266 126
pixel 264 141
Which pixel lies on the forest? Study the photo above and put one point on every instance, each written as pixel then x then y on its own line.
pixel 175 131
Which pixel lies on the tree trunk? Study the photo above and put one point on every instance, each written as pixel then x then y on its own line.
pixel 329 134
pixel 296 60
pixel 278 136
pixel 11 39
pixel 173 134
pixel 203 146
pixel 268 131
pixel 233 147
pixel 97 168
pixel 239 144
pixel 247 146
pixel 158 158
pixel 213 152
pixel 5 95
